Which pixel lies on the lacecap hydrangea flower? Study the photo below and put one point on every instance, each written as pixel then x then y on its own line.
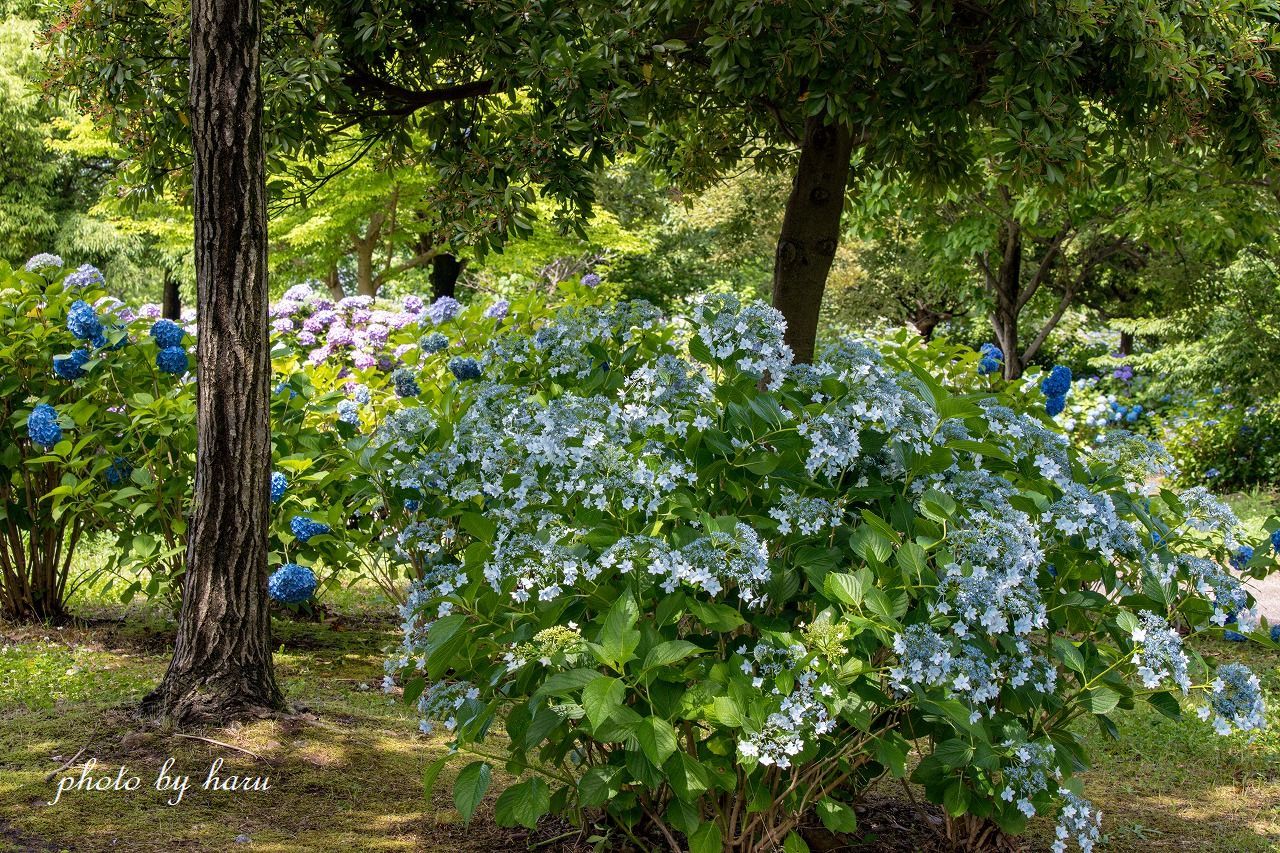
pixel 1235 699
pixel 86 275
pixel 71 366
pixel 304 528
pixel 167 333
pixel 279 485
pixel 42 425
pixel 992 358
pixel 172 360
pixel 83 322
pixel 465 368
pixel 291 584
pixel 44 264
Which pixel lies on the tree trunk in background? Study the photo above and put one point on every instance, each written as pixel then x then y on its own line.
pixel 811 232
pixel 364 268
pixel 172 300
pixel 332 282
pixel 445 269
pixel 1126 343
pixel 1005 284
pixel 221 665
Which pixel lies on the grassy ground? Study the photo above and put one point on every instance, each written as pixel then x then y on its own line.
pixel 345 765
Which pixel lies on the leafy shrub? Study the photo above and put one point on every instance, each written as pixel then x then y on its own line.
pixel 702 609
pixel 1230 447
pixel 93 429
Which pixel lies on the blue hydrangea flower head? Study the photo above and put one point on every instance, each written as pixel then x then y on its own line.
pixel 1233 636
pixel 591 280
pixel 1055 404
pixel 1275 539
pixel 991 360
pixel 349 412
pixel 44 264
pixel 406 385
pixel 167 333
pixel 172 360
pixel 304 528
pixel 86 275
pixel 83 322
pixel 71 366
pixel 119 472
pixel 1241 557
pixel 42 425
pixel 443 309
pixel 498 310
pixel 1275 633
pixel 1057 383
pixel 279 485
pixel 412 505
pixel 292 584
pixel 465 368
pixel 433 343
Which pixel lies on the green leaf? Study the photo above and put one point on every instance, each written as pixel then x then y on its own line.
pixel 657 739
pixel 619 636
pixel 1166 704
pixel 793 843
pixel 1069 654
pixel 601 698
pixel 1101 700
pixel 937 506
pixel 523 804
pixel 844 588
pixel 836 816
pixel 688 776
pixel 716 616
pixel 954 753
pixel 665 654
pixel 470 787
pixel 564 683
pixel 956 799
pixel 871 545
pixel 430 775
pixel 706 839
pixel 726 711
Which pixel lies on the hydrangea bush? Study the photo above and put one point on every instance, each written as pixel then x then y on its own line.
pixel 671 580
pixel 94 433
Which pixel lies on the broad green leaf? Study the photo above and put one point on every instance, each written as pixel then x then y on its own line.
pixel 657 739
pixel 844 588
pixel 601 698
pixel 470 787
pixel 706 839
pixel 665 654
pixel 836 816
pixel 523 804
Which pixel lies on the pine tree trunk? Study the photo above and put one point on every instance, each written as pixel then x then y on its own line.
pixel 445 269
pixel 172 305
pixel 811 232
pixel 221 663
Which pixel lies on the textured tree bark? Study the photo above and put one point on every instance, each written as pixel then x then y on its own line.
pixel 1005 283
pixel 172 304
pixel 221 663
pixel 365 285
pixel 811 232
pixel 1126 343
pixel 445 269
pixel 334 284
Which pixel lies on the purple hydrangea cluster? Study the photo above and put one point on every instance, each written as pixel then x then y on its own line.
pixel 292 584
pixel 498 310
pixel 86 275
pixel 443 309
